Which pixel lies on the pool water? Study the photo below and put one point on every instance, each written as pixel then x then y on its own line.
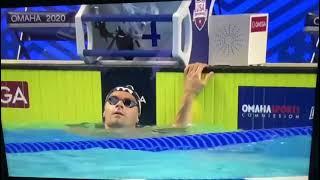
pixel 276 157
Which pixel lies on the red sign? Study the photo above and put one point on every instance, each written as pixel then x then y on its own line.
pixel 14 94
pixel 258 24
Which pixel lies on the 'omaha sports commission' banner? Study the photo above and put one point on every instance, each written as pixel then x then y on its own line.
pixel 270 107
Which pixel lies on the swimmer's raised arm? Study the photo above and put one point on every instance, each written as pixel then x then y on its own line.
pixel 194 82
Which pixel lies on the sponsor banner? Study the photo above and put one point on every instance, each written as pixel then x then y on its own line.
pixel 275 107
pixel 14 94
pixel 49 99
pixel 259 24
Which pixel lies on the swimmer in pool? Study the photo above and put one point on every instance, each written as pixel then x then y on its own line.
pixel 123 107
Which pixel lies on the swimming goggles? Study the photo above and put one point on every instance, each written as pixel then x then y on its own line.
pixel 113 100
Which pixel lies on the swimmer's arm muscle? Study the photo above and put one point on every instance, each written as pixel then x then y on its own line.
pixel 183 116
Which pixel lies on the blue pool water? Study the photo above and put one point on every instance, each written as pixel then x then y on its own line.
pixel 275 157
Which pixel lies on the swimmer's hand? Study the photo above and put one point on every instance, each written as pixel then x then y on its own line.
pixel 195 80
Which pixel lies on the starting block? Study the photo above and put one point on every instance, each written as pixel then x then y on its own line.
pixel 156 34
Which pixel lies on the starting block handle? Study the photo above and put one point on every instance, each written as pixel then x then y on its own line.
pixel 177 22
pixel 80 36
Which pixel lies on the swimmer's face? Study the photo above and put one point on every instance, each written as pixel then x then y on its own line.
pixel 119 114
